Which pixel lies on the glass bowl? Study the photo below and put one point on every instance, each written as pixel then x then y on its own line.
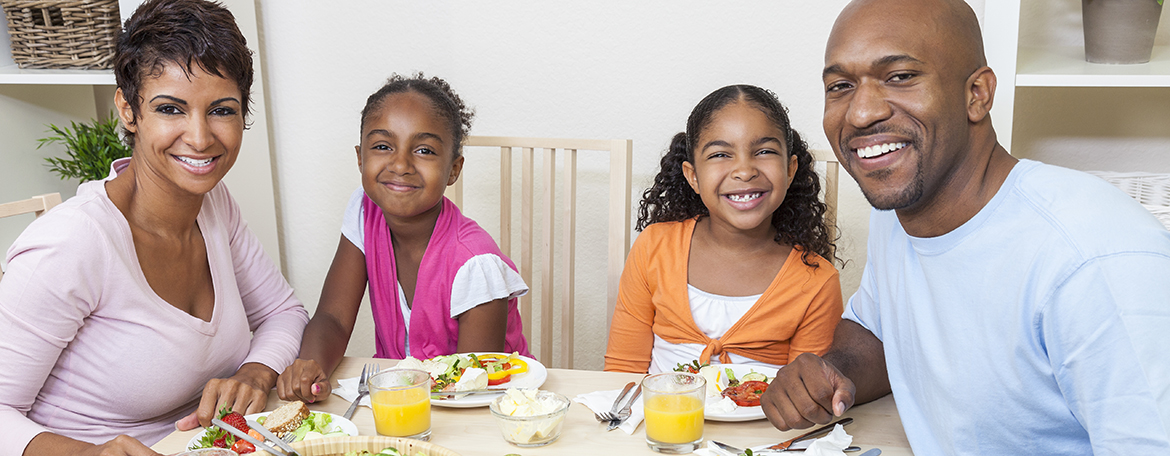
pixel 531 430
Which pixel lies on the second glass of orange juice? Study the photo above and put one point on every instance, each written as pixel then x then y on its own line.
pixel 401 399
pixel 673 404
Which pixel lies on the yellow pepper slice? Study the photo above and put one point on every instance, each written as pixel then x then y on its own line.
pixel 518 366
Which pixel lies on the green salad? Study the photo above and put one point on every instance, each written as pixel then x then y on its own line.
pixel 316 425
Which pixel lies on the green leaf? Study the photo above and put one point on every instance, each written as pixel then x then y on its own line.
pixel 90 148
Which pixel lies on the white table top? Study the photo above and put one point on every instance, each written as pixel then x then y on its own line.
pixel 474 431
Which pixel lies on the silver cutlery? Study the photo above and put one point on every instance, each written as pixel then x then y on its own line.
pixel 624 413
pixel 268 435
pixel 452 395
pixel 739 451
pixel 617 404
pixel 810 434
pixel 247 438
pixel 363 387
pixel 872 452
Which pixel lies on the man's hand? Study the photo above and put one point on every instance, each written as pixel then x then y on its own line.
pixel 304 380
pixel 806 391
pixel 246 392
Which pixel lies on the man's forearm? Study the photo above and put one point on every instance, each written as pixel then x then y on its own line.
pixel 858 354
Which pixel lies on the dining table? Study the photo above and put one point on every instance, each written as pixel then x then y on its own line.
pixel 474 431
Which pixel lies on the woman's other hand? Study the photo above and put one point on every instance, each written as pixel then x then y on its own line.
pixel 304 380
pixel 246 392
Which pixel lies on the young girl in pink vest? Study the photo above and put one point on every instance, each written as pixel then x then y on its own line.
pixel 438 282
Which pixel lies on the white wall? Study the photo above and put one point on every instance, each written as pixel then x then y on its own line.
pixel 607 69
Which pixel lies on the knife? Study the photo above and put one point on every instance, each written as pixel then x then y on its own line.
pixel 624 413
pixel 737 451
pixel 244 435
pixel 810 434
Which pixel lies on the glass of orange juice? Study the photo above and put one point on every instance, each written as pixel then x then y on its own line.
pixel 401 399
pixel 673 403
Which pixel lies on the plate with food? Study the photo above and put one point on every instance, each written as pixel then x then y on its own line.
pixel 292 417
pixel 477 372
pixel 733 390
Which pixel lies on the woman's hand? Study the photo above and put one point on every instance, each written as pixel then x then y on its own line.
pixel 121 445
pixel 47 443
pixel 304 380
pixel 246 392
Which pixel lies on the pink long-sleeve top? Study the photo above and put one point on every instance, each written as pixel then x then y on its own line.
pixel 89 351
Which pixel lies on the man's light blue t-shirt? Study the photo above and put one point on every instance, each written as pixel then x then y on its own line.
pixel 1040 326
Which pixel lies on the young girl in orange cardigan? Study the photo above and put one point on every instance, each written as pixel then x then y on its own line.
pixel 731 263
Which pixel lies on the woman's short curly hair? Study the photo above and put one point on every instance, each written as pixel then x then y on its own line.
pixel 446 102
pixel 800 219
pixel 185 33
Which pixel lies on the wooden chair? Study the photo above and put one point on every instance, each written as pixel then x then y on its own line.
pixel 620 165
pixel 37 205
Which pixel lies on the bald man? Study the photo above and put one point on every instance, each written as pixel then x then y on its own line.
pixel 1012 307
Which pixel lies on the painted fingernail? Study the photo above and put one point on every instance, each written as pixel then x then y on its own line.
pixel 316 388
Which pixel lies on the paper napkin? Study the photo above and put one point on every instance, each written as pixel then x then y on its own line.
pixel 833 444
pixel 602 401
pixel 347 389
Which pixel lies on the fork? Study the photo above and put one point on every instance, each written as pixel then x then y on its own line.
pixel 612 413
pixel 368 371
pixel 625 411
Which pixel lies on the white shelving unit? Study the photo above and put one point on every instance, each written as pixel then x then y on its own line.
pixel 11 74
pixel 1052 66
pixel 1066 67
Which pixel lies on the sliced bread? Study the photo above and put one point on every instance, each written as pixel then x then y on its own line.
pixel 287 418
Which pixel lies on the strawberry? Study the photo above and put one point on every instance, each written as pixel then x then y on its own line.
pixel 243 447
pixel 236 420
pixel 221 442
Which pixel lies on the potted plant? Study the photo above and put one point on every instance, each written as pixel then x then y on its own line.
pixel 1120 31
pixel 91 148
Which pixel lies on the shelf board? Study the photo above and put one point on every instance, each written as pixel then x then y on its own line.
pixel 1066 67
pixel 12 74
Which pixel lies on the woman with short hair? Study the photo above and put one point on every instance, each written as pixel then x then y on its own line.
pixel 144 302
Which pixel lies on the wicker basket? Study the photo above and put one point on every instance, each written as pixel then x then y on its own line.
pixel 341 445
pixel 72 34
pixel 1150 189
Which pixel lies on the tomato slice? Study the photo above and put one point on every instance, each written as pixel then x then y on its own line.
pixel 746 394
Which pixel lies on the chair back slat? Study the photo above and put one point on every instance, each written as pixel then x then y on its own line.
pixel 547 216
pixel 527 181
pixel 568 253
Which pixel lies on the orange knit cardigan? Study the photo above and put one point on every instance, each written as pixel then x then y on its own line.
pixel 797 313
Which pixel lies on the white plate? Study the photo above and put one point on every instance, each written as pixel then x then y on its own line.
pixel 339 423
pixel 742 413
pixel 535 377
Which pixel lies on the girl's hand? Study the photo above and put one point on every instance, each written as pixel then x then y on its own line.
pixel 304 380
pixel 246 392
